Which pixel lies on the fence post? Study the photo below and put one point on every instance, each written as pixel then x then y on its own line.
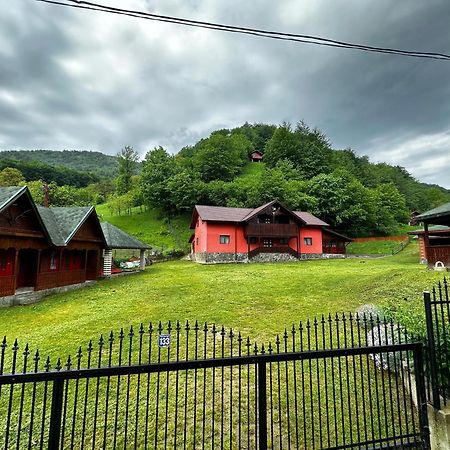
pixel 431 350
pixel 262 406
pixel 421 395
pixel 55 415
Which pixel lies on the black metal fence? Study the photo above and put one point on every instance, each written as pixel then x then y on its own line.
pixel 437 313
pixel 333 382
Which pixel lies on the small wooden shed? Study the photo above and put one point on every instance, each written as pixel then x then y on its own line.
pixel 435 235
pixel 256 156
pixel 118 239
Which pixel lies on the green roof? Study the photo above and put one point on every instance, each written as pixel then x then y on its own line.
pixel 9 193
pixel 116 238
pixel 63 222
pixel 434 228
pixel 440 211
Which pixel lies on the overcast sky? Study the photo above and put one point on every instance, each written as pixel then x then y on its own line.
pixel 74 79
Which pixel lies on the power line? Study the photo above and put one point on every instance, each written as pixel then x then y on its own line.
pixel 300 38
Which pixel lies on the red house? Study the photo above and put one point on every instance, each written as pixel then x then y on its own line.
pixel 271 232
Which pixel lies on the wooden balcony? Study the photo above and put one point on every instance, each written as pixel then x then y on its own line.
pixel 278 230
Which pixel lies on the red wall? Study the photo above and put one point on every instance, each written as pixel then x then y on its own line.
pixel 238 243
pixel 310 232
pixel 207 238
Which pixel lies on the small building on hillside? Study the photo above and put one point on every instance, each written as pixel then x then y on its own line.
pixel 271 232
pixel 46 249
pixel 256 156
pixel 434 238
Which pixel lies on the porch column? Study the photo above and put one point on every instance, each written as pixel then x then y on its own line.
pixel 142 261
pixel 107 263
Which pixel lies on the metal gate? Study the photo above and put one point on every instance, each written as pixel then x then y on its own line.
pixel 332 383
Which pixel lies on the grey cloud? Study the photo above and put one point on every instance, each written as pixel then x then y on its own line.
pixel 73 79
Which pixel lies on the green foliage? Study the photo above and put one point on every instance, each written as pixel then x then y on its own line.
pixel 81 161
pixel 308 150
pixel 10 176
pixel 127 159
pixel 221 157
pixel 158 167
pixel 34 170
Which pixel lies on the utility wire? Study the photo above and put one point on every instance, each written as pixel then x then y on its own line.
pixel 301 38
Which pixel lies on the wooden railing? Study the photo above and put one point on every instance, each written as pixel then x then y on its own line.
pixel 47 280
pixel 283 230
pixel 7 285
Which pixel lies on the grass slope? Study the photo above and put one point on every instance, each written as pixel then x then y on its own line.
pixel 258 299
pixel 150 227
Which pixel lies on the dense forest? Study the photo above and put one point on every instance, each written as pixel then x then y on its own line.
pixel 300 168
pixel 81 161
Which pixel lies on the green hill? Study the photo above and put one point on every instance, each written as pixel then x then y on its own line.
pixel 82 161
pixel 152 228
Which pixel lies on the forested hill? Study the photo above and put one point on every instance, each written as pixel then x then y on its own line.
pixel 300 168
pixel 82 161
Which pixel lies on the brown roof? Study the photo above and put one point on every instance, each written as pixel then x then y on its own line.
pixel 225 214
pixel 222 213
pixel 310 219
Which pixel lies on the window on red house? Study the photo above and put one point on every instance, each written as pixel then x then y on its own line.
pixel 224 239
pixel 307 241
pixel 267 242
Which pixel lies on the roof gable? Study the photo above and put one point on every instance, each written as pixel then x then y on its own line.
pixel 11 196
pixel 63 223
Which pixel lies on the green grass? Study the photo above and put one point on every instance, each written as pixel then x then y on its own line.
pixel 373 247
pixel 258 299
pixel 150 227
pixel 252 169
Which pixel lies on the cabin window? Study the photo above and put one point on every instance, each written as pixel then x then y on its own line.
pixel 224 238
pixel 196 241
pixel 53 261
pixel 284 241
pixel 307 241
pixel 252 240
pixel 267 242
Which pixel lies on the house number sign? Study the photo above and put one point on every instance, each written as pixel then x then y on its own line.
pixel 164 340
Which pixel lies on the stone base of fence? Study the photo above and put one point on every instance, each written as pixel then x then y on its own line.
pixel 439 422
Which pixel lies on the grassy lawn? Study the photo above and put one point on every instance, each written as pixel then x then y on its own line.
pixel 373 247
pixel 258 299
pixel 151 228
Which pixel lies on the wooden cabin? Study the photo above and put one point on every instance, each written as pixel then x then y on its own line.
pixel 434 239
pixel 256 156
pixel 44 248
pixel 270 232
